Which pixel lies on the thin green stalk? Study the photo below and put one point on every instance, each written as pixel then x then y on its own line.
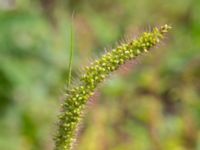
pixel 71 53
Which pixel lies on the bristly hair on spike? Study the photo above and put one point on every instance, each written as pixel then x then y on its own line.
pixel 94 74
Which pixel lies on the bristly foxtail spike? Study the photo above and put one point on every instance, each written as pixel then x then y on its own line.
pixel 75 103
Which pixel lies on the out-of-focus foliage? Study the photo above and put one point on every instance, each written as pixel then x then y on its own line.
pixel 153 105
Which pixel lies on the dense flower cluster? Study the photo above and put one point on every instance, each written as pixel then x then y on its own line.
pixel 77 98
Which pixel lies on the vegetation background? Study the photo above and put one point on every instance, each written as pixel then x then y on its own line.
pixel 154 105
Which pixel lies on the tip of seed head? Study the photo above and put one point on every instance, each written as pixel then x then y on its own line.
pixel 165 28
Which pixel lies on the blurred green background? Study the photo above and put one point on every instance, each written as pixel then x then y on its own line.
pixel 154 105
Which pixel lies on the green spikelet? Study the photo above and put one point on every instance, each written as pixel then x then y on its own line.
pixel 100 69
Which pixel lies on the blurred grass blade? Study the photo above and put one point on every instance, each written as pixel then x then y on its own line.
pixel 71 52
